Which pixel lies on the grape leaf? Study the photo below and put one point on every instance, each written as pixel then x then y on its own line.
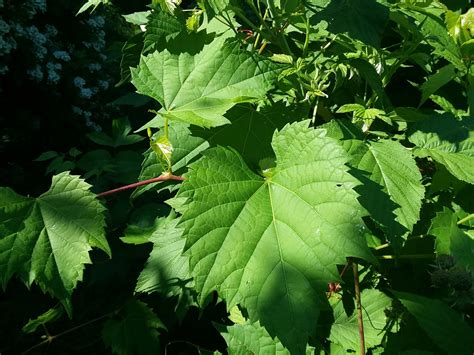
pixel 272 244
pixel 166 266
pixel 445 327
pixel 450 239
pixel 47 239
pixel 199 89
pixel 134 332
pixel 392 166
pixel 345 329
pixel 449 142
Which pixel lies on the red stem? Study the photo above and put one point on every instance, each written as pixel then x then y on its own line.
pixel 163 177
pixel 360 318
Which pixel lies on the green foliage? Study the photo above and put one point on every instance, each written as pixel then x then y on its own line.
pixel 48 239
pixel 134 330
pixel 293 219
pixel 445 327
pixel 227 75
pixel 291 144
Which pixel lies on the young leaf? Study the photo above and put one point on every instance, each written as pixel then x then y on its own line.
pixel 50 315
pixel 134 331
pixel 272 244
pixel 185 149
pixel 200 89
pixel 445 327
pixel 48 239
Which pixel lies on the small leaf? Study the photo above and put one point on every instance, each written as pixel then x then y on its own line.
pixel 91 3
pixel 185 149
pixel 49 316
pixel 47 156
pixel 436 81
pixel 137 18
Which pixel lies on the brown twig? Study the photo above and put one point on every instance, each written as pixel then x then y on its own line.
pixel 359 306
pixel 50 338
pixel 163 177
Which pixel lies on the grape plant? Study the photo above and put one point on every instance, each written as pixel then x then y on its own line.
pixel 308 188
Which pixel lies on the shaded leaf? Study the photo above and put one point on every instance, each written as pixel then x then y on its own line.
pixel 345 329
pixel 251 131
pixel 364 20
pixel 436 81
pixel 444 325
pixel 450 239
pixel 449 142
pixel 135 330
pixel 166 269
pixel 392 166
pixel 49 316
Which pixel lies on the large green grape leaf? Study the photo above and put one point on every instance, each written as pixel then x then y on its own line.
pixel 199 89
pixel 392 166
pixel 271 244
pixel 134 331
pixel 166 269
pixel 449 142
pixel 450 239
pixel 345 329
pixel 48 239
pixel 444 325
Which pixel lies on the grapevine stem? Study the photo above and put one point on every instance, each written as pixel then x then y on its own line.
pixel 360 320
pixel 163 177
pixel 465 219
